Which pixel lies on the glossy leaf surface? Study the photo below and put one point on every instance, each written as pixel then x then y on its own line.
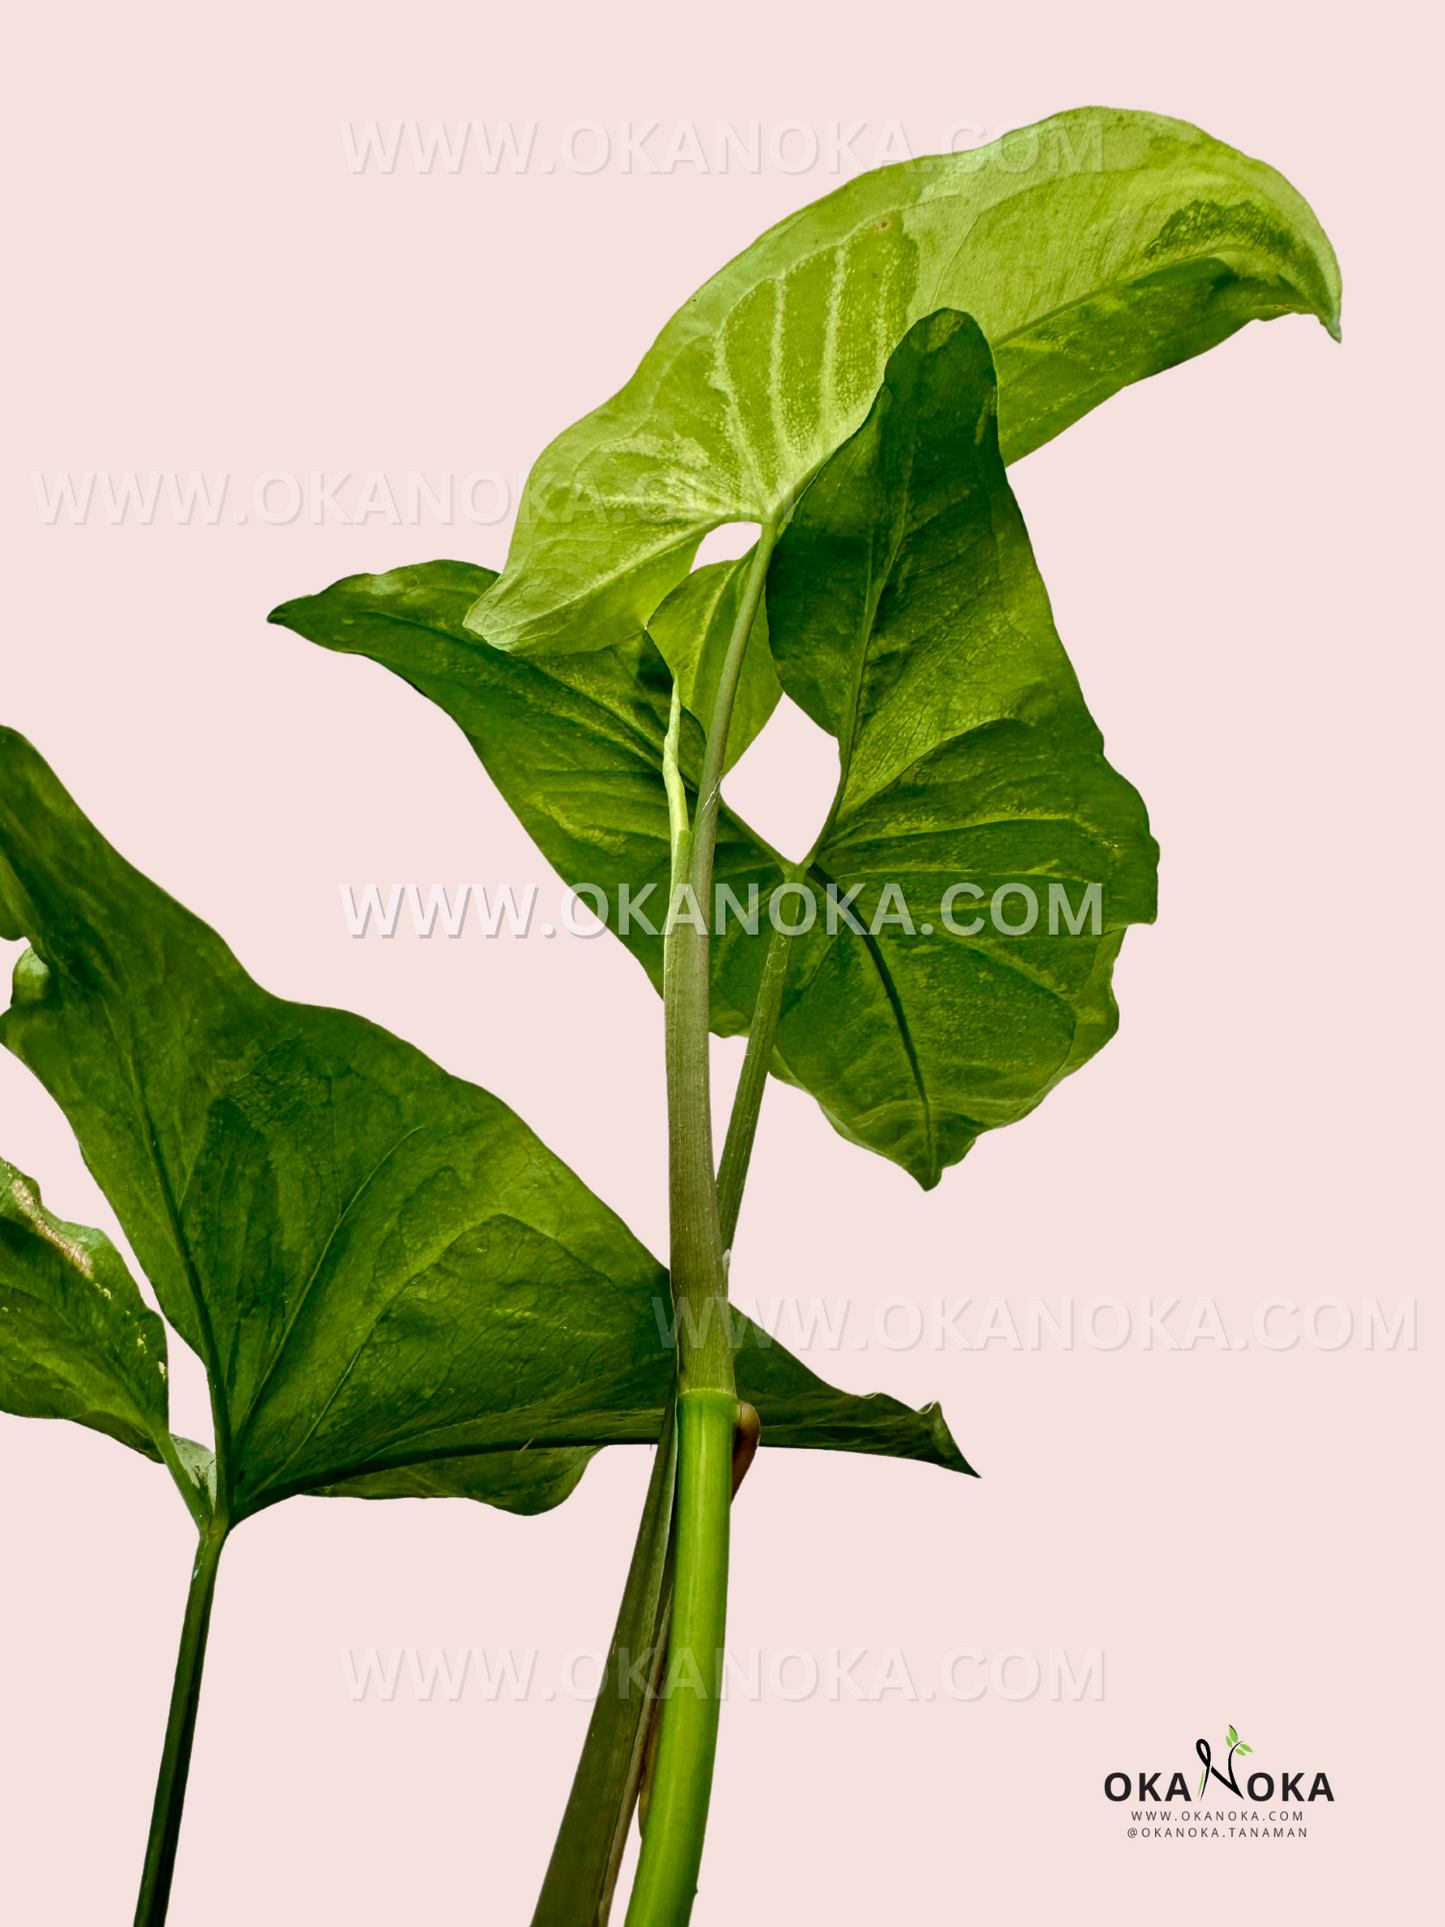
pixel 1093 249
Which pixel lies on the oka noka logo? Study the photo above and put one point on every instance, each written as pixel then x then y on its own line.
pixel 1258 1786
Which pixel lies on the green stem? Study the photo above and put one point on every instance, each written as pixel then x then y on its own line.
pixel 666 1883
pixel 747 1101
pixel 707 1402
pixel 160 1860
pixel 583 1869
pixel 699 1277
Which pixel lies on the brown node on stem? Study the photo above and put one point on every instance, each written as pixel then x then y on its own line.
pixel 745 1442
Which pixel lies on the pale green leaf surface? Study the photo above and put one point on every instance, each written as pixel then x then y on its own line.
pixel 1095 249
pixel 197 1466
pixel 692 630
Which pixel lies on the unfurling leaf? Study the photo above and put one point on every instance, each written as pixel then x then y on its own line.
pixel 692 629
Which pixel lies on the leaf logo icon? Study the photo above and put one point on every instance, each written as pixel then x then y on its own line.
pixel 1236 1745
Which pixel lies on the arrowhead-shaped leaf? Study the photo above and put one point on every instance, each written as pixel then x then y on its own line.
pixel 388 1277
pixel 1094 249
pixel 77 1340
pixel 909 620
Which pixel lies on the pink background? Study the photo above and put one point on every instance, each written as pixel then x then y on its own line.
pixel 1235 553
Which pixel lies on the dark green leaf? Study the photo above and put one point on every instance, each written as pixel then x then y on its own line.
pixel 77 1340
pixel 574 743
pixel 1094 249
pixel 384 1271
pixel 909 620
pixel 525 1482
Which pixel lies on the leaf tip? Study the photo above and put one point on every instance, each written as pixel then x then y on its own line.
pixel 945 1445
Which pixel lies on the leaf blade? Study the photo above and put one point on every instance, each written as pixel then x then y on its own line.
pixel 1085 278
pixel 909 621
pixel 389 1277
pixel 77 1340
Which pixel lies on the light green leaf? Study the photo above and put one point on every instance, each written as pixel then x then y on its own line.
pixel 1094 249
pixel 1242 1748
pixel 195 1466
pixel 384 1271
pixel 909 620
pixel 77 1340
pixel 692 629
pixel 1233 1736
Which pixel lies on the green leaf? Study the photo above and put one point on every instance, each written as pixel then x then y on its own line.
pixel 909 621
pixel 525 1482
pixel 1242 1748
pixel 193 1467
pixel 692 629
pixel 385 1272
pixel 1094 249
pixel 574 743
pixel 77 1340
pixel 1233 1736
